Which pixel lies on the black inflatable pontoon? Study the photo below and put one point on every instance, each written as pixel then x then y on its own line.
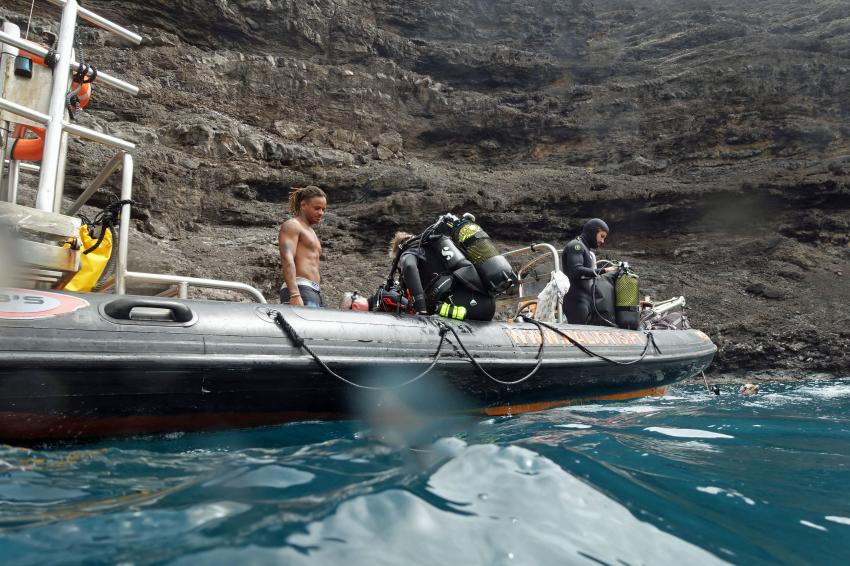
pixel 76 366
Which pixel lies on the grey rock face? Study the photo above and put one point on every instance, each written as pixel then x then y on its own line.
pixel 715 128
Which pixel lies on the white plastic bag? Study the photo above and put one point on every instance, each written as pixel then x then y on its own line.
pixel 552 296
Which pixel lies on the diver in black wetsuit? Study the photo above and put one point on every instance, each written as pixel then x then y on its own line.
pixel 580 266
pixel 434 271
pixel 408 266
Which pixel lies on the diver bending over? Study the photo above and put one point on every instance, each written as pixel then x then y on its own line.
pixel 436 276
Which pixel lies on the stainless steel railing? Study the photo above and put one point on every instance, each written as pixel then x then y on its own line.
pixel 548 251
pixel 51 170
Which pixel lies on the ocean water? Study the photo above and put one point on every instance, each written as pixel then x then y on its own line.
pixel 689 478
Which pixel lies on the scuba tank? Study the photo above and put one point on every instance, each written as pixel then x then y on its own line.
pixel 627 298
pixel 493 269
pixel 452 260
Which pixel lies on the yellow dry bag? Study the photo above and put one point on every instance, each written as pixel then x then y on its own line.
pixel 93 263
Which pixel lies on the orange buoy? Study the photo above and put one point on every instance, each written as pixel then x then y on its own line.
pixel 28 149
pixel 84 95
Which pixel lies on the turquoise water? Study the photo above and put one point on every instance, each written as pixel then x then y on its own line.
pixel 685 479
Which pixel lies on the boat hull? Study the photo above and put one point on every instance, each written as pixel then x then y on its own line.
pixel 97 370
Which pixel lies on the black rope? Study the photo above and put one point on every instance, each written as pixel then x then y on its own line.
pixel 107 218
pixel 78 44
pixel 649 339
pixel 299 342
pixel 99 239
pixel 497 380
pixel 84 74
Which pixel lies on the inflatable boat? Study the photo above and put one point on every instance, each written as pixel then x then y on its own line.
pixel 105 362
pixel 79 366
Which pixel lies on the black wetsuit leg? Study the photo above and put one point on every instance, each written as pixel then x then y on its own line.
pixel 577 307
pixel 580 268
pixel 479 306
pixel 409 266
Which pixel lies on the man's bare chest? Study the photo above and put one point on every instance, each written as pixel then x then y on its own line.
pixel 309 241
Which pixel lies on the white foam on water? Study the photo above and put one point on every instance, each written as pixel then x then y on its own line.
pixel 686 432
pixel 832 391
pixel 626 409
pixel 573 425
pixel 714 490
pixel 765 400
pixel 491 512
pixel 813 525
pixel 837 519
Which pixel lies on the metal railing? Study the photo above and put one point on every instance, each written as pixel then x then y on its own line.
pixel 52 168
pixel 42 51
pixel 184 282
pixel 49 196
pixel 547 251
pixel 102 22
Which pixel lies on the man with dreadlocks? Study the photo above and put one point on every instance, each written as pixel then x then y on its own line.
pixel 300 248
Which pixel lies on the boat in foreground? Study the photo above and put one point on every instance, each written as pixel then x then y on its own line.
pixel 79 366
pixel 102 364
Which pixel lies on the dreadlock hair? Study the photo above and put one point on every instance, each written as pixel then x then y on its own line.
pixel 299 195
pixel 399 238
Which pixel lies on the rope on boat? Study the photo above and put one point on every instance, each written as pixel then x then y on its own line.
pixel 715 390
pixel 107 218
pixel 649 339
pixel 483 372
pixel 299 342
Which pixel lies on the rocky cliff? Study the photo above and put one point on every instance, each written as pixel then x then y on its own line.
pixel 712 135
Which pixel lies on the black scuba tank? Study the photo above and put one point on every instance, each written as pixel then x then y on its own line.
pixel 443 257
pixel 627 298
pixel 493 269
pixel 604 300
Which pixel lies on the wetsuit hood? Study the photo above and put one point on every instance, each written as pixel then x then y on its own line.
pixel 590 229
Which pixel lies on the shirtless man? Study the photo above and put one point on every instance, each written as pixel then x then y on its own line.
pixel 300 248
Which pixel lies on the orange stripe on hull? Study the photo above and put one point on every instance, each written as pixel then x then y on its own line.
pixel 533 407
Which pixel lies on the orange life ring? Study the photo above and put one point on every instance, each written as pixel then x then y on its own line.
pixel 30 149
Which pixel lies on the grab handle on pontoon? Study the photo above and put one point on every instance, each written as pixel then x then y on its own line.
pixel 122 308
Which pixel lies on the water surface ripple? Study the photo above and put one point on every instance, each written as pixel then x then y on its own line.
pixel 688 478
